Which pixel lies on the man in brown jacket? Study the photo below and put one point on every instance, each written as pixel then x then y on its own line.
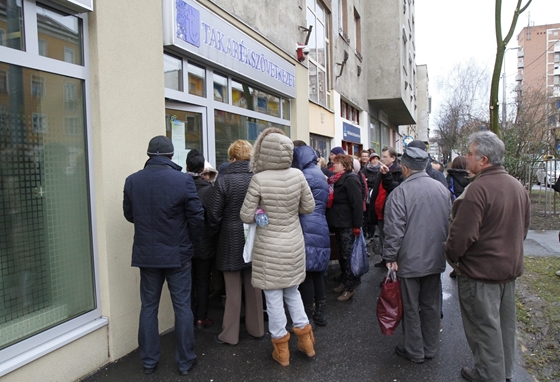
pixel 485 244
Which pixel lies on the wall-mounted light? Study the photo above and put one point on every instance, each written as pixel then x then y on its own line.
pixel 342 63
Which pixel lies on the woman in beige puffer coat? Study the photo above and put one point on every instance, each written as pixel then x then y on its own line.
pixel 279 249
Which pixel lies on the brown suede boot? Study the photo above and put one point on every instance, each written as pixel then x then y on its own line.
pixel 305 340
pixel 281 353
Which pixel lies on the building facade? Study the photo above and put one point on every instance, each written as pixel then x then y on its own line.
pixel 83 88
pixel 539 70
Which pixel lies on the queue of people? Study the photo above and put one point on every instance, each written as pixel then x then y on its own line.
pixel 189 229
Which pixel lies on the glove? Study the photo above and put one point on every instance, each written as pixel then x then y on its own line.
pixel 356 231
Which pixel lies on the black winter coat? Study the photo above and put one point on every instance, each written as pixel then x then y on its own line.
pixel 460 180
pixel 347 208
pixel 168 217
pixel 207 248
pixel 223 215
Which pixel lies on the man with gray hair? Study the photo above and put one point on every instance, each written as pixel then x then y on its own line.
pixel 485 245
pixel 415 250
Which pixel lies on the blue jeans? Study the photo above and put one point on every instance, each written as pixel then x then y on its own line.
pixel 179 284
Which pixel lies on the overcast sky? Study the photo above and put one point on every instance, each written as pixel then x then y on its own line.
pixel 449 31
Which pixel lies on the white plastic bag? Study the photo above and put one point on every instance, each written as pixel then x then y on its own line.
pixel 250 231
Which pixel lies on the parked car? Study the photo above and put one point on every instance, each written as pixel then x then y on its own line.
pixel 548 172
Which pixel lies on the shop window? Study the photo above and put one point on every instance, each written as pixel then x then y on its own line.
pixel 184 126
pixel 45 242
pixel 58 29
pixel 11 17
pixel 172 72
pixel 197 80
pixel 247 97
pixel 321 144
pixel 220 88
pixel 230 127
pixel 286 109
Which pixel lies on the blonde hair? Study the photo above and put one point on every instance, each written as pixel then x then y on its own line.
pixel 322 162
pixel 240 150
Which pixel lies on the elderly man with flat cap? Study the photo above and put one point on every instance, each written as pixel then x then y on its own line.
pixel 416 251
pixel 168 219
pixel 433 173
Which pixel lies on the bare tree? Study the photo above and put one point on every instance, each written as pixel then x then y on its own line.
pixel 500 52
pixel 527 137
pixel 463 109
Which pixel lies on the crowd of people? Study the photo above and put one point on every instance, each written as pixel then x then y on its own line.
pixel 190 230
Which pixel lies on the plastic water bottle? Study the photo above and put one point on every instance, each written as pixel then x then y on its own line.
pixel 261 217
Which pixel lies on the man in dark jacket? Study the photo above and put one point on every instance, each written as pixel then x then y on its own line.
pixel 485 245
pixel 168 218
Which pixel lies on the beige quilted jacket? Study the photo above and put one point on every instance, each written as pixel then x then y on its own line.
pixel 282 191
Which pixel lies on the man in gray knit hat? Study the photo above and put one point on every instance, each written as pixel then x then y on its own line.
pixel 415 250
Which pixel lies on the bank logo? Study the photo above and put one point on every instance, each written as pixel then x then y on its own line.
pixel 188 23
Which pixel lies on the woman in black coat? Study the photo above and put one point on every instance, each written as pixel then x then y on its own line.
pixel 457 176
pixel 223 215
pixel 345 218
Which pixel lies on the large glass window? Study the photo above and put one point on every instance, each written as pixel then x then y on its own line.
pixel 318 54
pixel 250 98
pixel 62 34
pixel 45 235
pixel 11 24
pixel 230 127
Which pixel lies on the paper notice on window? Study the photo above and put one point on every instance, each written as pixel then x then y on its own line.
pixel 178 139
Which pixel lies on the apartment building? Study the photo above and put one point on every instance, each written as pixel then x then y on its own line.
pixel 84 85
pixel 539 68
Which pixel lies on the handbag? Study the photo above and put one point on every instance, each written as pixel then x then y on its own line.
pixel 389 304
pixel 359 261
pixel 250 231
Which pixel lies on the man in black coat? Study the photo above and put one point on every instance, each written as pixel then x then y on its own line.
pixel 168 219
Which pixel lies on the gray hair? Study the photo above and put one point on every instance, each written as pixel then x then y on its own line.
pixel 487 144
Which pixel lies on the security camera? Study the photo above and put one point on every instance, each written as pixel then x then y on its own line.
pixel 302 51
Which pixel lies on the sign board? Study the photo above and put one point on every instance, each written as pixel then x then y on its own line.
pixel 351 133
pixel 190 27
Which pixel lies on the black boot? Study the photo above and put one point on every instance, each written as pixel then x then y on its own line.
pixel 309 313
pixel 320 315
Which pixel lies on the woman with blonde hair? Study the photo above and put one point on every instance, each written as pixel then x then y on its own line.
pixel 223 216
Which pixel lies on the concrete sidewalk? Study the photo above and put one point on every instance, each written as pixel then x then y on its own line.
pixel 350 348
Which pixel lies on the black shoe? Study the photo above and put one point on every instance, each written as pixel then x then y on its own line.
pixel 470 374
pixel 381 264
pixel 150 370
pixel 219 341
pixel 186 372
pixel 399 350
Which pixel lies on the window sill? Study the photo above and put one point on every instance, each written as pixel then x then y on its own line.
pixel 52 345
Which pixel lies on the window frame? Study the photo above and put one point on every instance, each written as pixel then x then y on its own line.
pixel 30 349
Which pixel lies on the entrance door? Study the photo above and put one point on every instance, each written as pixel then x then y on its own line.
pixel 185 125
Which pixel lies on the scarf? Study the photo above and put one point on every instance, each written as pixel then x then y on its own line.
pixel 331 181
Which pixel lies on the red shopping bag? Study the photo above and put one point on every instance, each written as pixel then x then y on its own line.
pixel 389 304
